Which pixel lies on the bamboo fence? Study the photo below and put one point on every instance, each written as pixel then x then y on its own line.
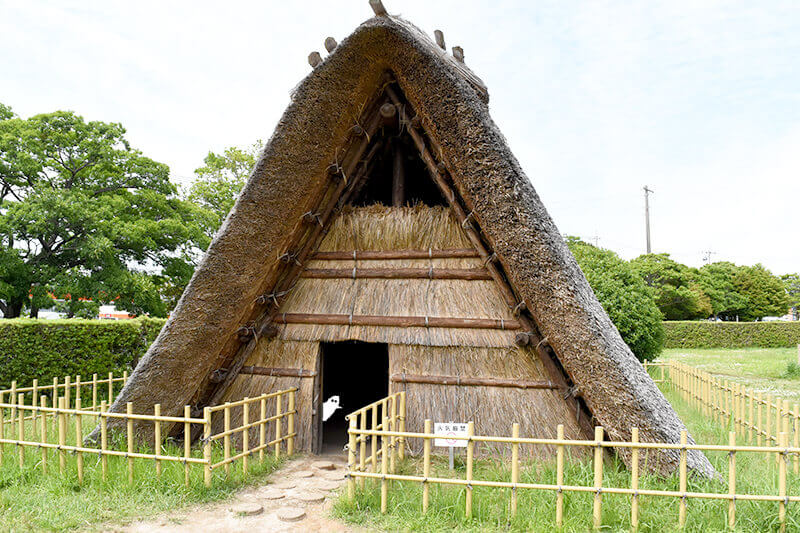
pixel 26 421
pixel 377 438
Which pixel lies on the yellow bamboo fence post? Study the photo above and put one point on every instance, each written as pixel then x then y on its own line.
pixel 157 437
pixel 351 459
pixel 682 481
pixel 187 442
pixel 795 436
pixel 470 455
pixel 94 394
pixel 2 427
pixel 34 403
pixel 104 439
pixel 290 426
pixel 13 402
pixel 514 467
pixel 262 429
pixel 732 481
pixel 598 478
pixel 79 437
pixel 374 439
pixel 786 414
pixel 759 417
pixel 129 412
pixel 110 388
pixel 77 386
pixel 750 423
pixel 362 447
pixel 735 407
pixel 783 442
pixel 426 465
pixel 62 435
pixel 384 464
pixel 778 424
pixel 21 430
pixel 207 446
pixel 767 422
pixel 635 479
pixel 393 439
pixel 278 412
pixel 559 477
pixel 43 433
pixel 67 386
pixel 226 440
pixel 124 378
pixel 401 451
pixel 246 434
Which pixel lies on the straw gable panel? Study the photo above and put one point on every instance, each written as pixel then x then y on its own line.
pixel 493 409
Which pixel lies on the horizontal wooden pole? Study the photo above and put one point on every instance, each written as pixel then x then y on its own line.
pixel 468 381
pixel 398 254
pixel 398 273
pixel 396 321
pixel 278 372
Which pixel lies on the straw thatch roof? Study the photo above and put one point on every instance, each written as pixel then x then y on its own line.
pixel 292 178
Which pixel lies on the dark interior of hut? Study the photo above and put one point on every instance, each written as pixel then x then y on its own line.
pixel 356 372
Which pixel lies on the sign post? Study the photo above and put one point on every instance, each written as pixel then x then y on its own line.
pixel 449 430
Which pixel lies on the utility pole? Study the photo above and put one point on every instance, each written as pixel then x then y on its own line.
pixel 707 256
pixel 647 216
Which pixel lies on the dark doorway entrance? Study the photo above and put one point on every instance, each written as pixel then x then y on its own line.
pixel 356 372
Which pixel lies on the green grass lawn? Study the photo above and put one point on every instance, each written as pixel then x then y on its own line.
pixel 756 474
pixel 762 369
pixel 33 501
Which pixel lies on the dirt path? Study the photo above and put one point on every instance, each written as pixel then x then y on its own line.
pixel 297 498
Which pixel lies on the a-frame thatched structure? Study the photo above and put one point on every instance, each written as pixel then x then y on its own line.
pixel 506 309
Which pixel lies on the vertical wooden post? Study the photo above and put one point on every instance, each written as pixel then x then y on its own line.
pixel 226 439
pixel 79 436
pixel 785 414
pixel 43 433
pixel 560 477
pixel 129 411
pixel 426 465
pixel 2 426
pixel 393 440
pixel 374 440
pixel 262 429
pixel 514 467
pixel 635 479
pixel 157 438
pixel 110 388
pixel 351 458
pixel 187 442
pixel 470 454
pixel 34 402
pixel 732 481
pixel 278 413
pixel 124 378
pixel 750 417
pixel 759 417
pixel 598 478
pixel 104 439
pixel 67 387
pixel 207 446
pixel 796 436
pixel 62 435
pixel 362 447
pixel 767 421
pixel 401 441
pixel 778 424
pixel 246 434
pixel 783 441
pixel 384 464
pixel 13 402
pixel 398 175
pixel 290 426
pixel 21 430
pixel 682 481
pixel 77 386
pixel 94 393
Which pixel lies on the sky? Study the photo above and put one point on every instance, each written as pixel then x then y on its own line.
pixel 699 100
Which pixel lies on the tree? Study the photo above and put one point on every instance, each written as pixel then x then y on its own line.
pixel 83 214
pixel 791 283
pixel 675 288
pixel 765 293
pixel 218 184
pixel 717 281
pixel 625 297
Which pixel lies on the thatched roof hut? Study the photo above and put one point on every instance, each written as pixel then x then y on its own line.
pixel 388 230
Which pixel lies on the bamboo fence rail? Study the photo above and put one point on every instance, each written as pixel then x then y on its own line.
pixel 698 387
pixel 27 422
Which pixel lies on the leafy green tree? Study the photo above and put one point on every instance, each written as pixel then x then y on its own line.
pixel 674 287
pixel 765 293
pixel 84 214
pixel 218 184
pixel 791 283
pixel 718 281
pixel 625 297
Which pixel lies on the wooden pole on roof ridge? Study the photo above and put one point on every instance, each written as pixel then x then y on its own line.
pixel 314 59
pixel 458 54
pixel 330 44
pixel 377 8
pixel 439 37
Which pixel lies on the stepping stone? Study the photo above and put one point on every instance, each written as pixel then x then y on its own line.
pixel 304 474
pixel 326 485
pixel 285 484
pixel 335 476
pixel 323 465
pixel 247 509
pixel 291 514
pixel 273 494
pixel 311 497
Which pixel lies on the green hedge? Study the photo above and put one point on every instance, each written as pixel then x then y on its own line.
pixel 690 334
pixel 45 349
